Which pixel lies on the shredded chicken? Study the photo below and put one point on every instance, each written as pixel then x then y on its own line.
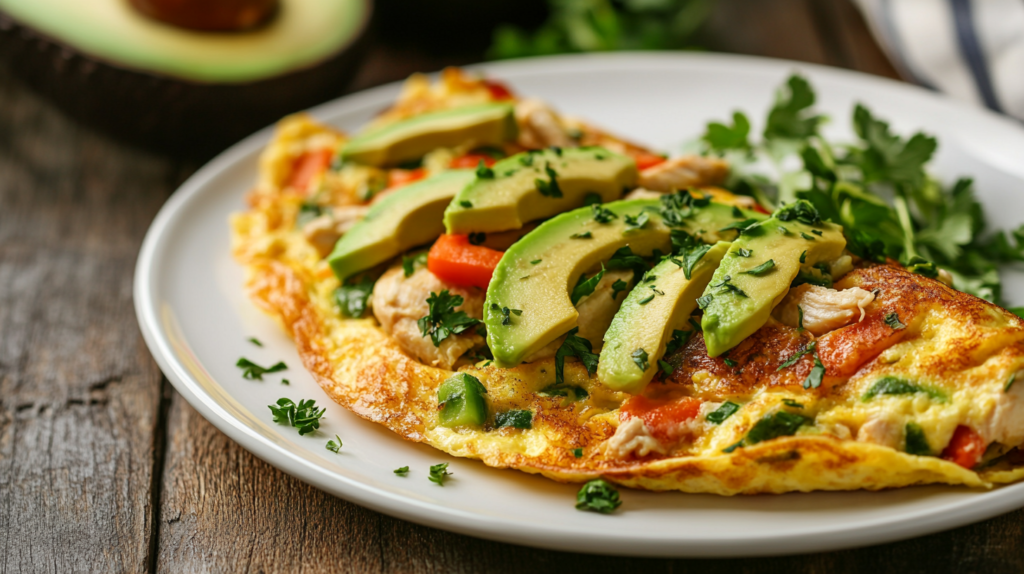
pixel 683 173
pixel 823 309
pixel 1006 423
pixel 633 437
pixel 399 302
pixel 596 312
pixel 539 126
pixel 324 231
pixel 883 429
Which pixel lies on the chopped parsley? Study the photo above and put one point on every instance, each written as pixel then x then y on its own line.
pixel 519 419
pixel 535 261
pixel 584 288
pixel 893 321
pixel 409 263
pixel 638 221
pixel 922 266
pixel 792 403
pixel 598 496
pixel 442 320
pixel 803 257
pixel 506 313
pixel 695 324
pixel 729 362
pixel 806 236
pixel 897 386
pixel 577 452
pixel 308 212
pixel 574 346
pixel 640 358
pixel 303 416
pixel 582 235
pixel 438 473
pixel 704 301
pixel 285 382
pixel 781 423
pixel 690 249
pixel 624 258
pixel 916 441
pixel 796 356
pixel 740 225
pixel 665 367
pixel 647 299
pixel 549 188
pixel 679 338
pixel 800 322
pixel 618 287
pixel 254 372
pixel 572 392
pixel 402 471
pixel 255 341
pixel 353 294
pixel 334 445
pixel 602 214
pixel 762 269
pixel 466 204
pixel 746 252
pixel 592 198
pixel 724 411
pixel 726 286
pixel 484 172
pixel 1009 382
pixel 816 375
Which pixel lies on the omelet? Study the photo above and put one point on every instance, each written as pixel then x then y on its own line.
pixel 914 381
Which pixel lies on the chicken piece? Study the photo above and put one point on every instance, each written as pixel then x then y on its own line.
pixel 823 309
pixel 596 312
pixel 883 429
pixel 539 126
pixel 633 437
pixel 399 302
pixel 1006 423
pixel 324 231
pixel 683 173
pixel 641 193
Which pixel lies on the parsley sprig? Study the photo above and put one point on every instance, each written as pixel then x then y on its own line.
pixel 254 372
pixel 442 320
pixel 303 416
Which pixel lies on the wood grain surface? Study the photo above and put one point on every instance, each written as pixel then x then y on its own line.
pixel 103 468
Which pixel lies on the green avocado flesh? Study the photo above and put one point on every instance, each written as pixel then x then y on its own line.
pixel 409 217
pixel 519 189
pixel 647 323
pixel 461 401
pixel 536 275
pixel 303 33
pixel 743 293
pixel 406 140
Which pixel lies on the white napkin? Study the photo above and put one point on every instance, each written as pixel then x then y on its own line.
pixel 970 49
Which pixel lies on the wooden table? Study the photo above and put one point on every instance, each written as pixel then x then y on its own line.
pixel 104 468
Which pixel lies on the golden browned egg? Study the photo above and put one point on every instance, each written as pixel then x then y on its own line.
pixel 910 365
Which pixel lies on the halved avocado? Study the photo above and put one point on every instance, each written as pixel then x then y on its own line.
pixel 480 125
pixel 745 289
pixel 528 301
pixel 650 313
pixel 408 217
pixel 175 89
pixel 538 184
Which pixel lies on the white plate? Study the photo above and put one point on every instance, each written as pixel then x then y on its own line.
pixel 195 319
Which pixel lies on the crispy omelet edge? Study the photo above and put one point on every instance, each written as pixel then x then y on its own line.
pixel 362 369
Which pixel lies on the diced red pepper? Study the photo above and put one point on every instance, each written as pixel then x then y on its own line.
pixel 645 160
pixel 664 418
pixel 455 260
pixel 499 91
pixel 471 160
pixel 307 166
pixel 400 177
pixel 965 448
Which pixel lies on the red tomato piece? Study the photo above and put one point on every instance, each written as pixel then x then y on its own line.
pixel 455 260
pixel 965 448
pixel 400 177
pixel 307 166
pixel 471 160
pixel 663 418
pixel 498 90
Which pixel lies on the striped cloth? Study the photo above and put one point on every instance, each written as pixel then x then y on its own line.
pixel 970 49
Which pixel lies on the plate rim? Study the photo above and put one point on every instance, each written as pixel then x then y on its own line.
pixel 951 515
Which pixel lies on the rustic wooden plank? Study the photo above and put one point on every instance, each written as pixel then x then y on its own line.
pixel 79 393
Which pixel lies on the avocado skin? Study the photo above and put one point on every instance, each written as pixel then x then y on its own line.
pixel 162 113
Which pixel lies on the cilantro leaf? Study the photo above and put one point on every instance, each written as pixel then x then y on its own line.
pixel 574 346
pixel 791 117
pixel 602 214
pixel 638 221
pixel 762 269
pixel 334 446
pixel 353 294
pixel 721 137
pixel 726 410
pixel 442 320
pixel 816 375
pixel 303 416
pixel 402 471
pixel 617 287
pixel 550 187
pixel 598 496
pixel 254 372
pixel 810 348
pixel 438 473
pixel 586 287
pixel 520 419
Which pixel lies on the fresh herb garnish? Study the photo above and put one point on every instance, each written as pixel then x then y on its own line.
pixel 409 263
pixel 402 471
pixel 466 204
pixel 690 249
pixel 254 372
pixel 639 357
pixel 574 346
pixel 781 423
pixel 582 235
pixel 586 287
pixel 255 341
pixel 729 362
pixel 816 375
pixel 810 348
pixel 353 294
pixel 535 261
pixel 1009 382
pixel 438 473
pixel 679 338
pixel 592 199
pixel 746 252
pixel 285 382
pixel 893 321
pixel 577 452
pixel 549 188
pixel 803 257
pixel 303 416
pixel 897 386
pixel 598 496
pixel 792 403
pixel 520 419
pixel 646 299
pixel 602 214
pixel 762 269
pixel 704 301
pixel 806 236
pixel 506 313
pixel 484 172
pixel 665 367
pixel 572 392
pixel 740 225
pixel 442 320
pixel 618 287
pixel 477 238
pixel 916 441
pixel 638 221
pixel 724 411
pixel 800 321
pixel 334 446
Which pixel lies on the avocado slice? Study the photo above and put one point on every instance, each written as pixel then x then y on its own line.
pixel 661 304
pixel 460 401
pixel 410 139
pixel 745 289
pixel 538 184
pixel 528 301
pixel 408 217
